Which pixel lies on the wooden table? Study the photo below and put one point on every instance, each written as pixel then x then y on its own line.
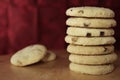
pixel 55 70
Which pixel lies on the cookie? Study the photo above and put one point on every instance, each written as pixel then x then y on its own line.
pixel 50 56
pixel 89 40
pixel 87 32
pixel 94 59
pixel 95 12
pixel 91 23
pixel 92 70
pixel 91 50
pixel 29 55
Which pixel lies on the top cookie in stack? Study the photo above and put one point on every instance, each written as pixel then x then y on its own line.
pixel 93 12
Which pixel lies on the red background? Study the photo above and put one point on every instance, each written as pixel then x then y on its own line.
pixel 25 22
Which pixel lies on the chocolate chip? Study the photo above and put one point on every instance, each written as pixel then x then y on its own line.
pixel 102 33
pixel 112 25
pixel 71 10
pixel 101 13
pixel 105 49
pixel 74 39
pixel 111 14
pixel 86 24
pixel 88 35
pixel 81 11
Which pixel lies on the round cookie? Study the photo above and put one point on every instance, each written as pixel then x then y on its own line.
pixel 91 50
pixel 87 32
pixel 92 70
pixel 29 55
pixel 94 59
pixel 96 12
pixel 89 40
pixel 50 56
pixel 91 23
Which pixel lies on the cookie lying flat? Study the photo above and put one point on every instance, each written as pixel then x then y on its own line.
pixel 89 40
pixel 93 70
pixel 93 60
pixel 50 56
pixel 91 23
pixel 28 55
pixel 91 50
pixel 75 31
pixel 90 12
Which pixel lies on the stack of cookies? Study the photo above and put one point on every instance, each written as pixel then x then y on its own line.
pixel 90 38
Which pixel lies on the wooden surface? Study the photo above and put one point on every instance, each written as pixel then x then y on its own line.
pixel 55 70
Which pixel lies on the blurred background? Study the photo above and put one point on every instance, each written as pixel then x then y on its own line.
pixel 26 22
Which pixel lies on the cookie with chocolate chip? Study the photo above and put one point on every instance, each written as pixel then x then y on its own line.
pixel 93 12
pixel 88 32
pixel 90 50
pixel 29 55
pixel 88 41
pixel 90 22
